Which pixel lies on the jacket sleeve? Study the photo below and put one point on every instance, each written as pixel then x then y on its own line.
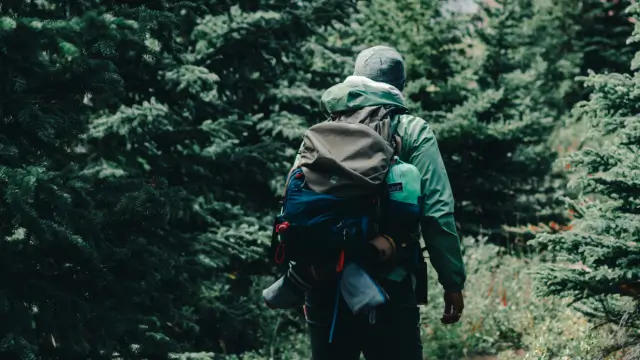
pixel 420 148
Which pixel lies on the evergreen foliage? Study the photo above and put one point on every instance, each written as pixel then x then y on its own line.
pixel 495 145
pixel 601 256
pixel 219 124
pixel 139 238
pixel 142 144
pixel 604 28
pixel 591 34
pixel 68 281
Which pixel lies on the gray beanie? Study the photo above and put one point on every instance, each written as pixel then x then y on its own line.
pixel 383 64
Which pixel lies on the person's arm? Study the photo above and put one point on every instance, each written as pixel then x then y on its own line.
pixel 420 148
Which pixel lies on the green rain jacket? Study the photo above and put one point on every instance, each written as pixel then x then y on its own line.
pixel 419 148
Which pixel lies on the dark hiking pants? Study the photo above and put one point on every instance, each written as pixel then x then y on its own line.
pixel 392 333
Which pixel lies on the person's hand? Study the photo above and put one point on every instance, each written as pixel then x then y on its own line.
pixel 453 307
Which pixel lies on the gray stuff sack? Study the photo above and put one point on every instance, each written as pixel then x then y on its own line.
pixel 359 290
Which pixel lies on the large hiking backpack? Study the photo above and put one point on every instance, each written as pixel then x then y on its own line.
pixel 331 201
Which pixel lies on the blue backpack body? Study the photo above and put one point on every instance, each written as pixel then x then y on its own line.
pixel 318 229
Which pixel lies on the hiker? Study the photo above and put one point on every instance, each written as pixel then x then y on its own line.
pixel 390 329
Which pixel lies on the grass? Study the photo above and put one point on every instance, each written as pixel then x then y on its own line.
pixel 503 318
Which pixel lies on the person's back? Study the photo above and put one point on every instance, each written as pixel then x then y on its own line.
pixel 392 331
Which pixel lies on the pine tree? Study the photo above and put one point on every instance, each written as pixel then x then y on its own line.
pixel 583 35
pixel 73 270
pixel 142 237
pixel 604 28
pixel 219 124
pixel 495 144
pixel 600 268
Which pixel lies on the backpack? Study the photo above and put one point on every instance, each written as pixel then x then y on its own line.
pixel 331 201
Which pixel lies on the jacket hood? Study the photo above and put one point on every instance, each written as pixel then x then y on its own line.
pixel 357 92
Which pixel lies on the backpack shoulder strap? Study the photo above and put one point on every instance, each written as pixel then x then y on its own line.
pixel 396 140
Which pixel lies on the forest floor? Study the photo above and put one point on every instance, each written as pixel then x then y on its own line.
pixel 520 353
pixel 504 318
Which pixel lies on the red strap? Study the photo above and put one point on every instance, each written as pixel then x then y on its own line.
pixel 282 227
pixel 340 265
